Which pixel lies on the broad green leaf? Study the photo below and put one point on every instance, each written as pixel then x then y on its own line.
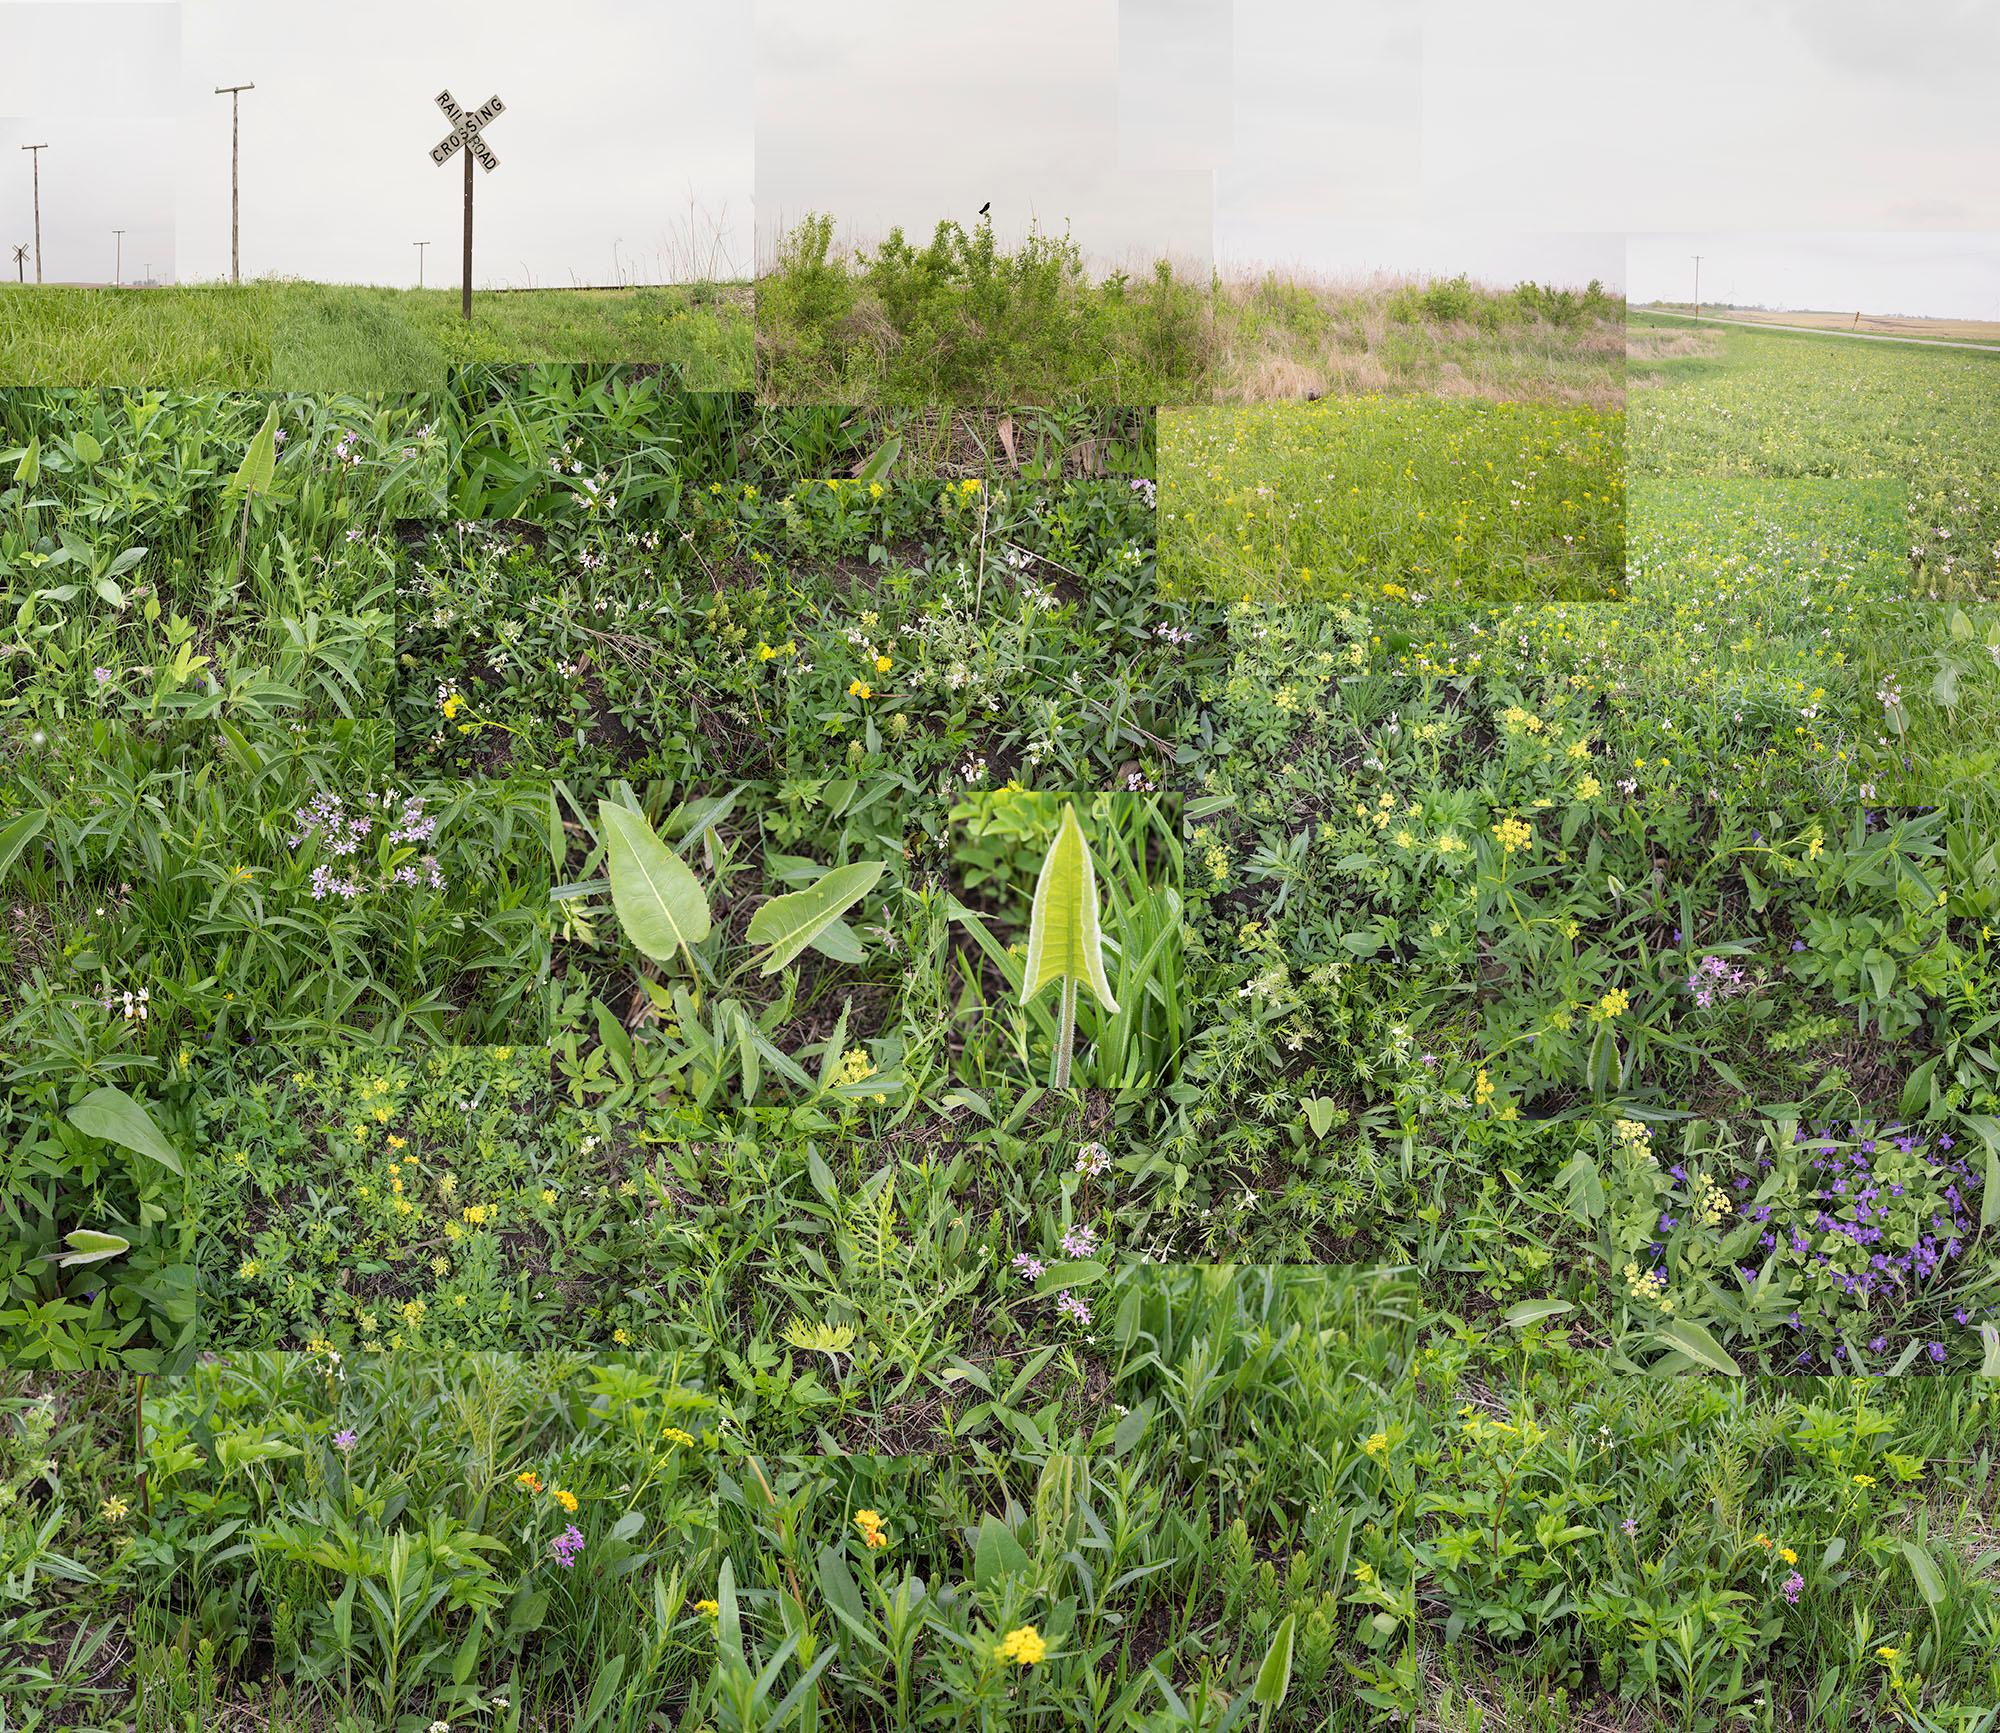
pixel 837 1584
pixel 86 447
pixel 343 1615
pixel 114 1116
pixel 1064 942
pixel 997 1554
pixel 1321 1112
pixel 1527 1312
pixel 1131 1428
pixel 1585 1186
pixel 260 462
pixel 1274 1677
pixel 840 942
pixel 789 923
pixel 29 470
pixel 882 459
pixel 526 1612
pixel 1923 1568
pixel 88 1246
pixel 1687 1337
pixel 1989 1361
pixel 17 836
pixel 659 902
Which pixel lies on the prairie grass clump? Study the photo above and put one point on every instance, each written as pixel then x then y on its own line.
pixel 1289 334
pixel 963 319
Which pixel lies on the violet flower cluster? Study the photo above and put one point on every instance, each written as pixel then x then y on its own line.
pixel 340 830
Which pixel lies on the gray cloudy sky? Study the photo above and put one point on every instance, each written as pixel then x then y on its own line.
pixel 106 119
pixel 1333 136
pixel 1943 275
pixel 887 112
pixel 619 112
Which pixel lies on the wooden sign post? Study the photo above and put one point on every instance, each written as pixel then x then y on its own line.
pixel 465 135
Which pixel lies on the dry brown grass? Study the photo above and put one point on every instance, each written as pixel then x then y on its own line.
pixel 1880 324
pixel 1294 335
pixel 1659 343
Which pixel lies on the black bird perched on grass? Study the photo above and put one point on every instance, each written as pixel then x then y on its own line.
pixel 986 207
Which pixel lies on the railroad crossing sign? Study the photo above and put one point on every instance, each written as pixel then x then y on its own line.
pixel 466 135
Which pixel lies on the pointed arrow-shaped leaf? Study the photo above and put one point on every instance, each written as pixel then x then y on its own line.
pixel 88 1246
pixel 114 1116
pixel 1064 942
pixel 790 923
pixel 260 462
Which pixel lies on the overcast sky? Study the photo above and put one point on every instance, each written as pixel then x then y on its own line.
pixel 619 112
pixel 1944 275
pixel 900 112
pixel 1341 137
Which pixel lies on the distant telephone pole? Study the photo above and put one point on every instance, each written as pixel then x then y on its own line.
pixel 233 92
pixel 118 270
pixel 420 245
pixel 36 159
pixel 1697 285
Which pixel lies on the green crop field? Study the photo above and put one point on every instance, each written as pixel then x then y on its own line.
pixel 333 338
pixel 1393 497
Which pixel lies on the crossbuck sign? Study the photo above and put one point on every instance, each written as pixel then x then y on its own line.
pixel 467 134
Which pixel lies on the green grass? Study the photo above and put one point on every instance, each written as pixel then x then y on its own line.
pixel 1521 1247
pixel 1787 404
pixel 1285 1490
pixel 140 584
pixel 327 337
pixel 1413 498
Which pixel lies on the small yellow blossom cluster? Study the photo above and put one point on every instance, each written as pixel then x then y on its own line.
pixel 855 1066
pixel 1379 814
pixel 1632 1134
pixel 1649 1286
pixel 873 1535
pixel 1514 835
pixel 1614 1004
pixel 1711 1202
pixel 1023 1645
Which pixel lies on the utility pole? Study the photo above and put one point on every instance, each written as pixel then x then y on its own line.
pixel 1697 285
pixel 36 159
pixel 233 92
pixel 420 245
pixel 118 271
